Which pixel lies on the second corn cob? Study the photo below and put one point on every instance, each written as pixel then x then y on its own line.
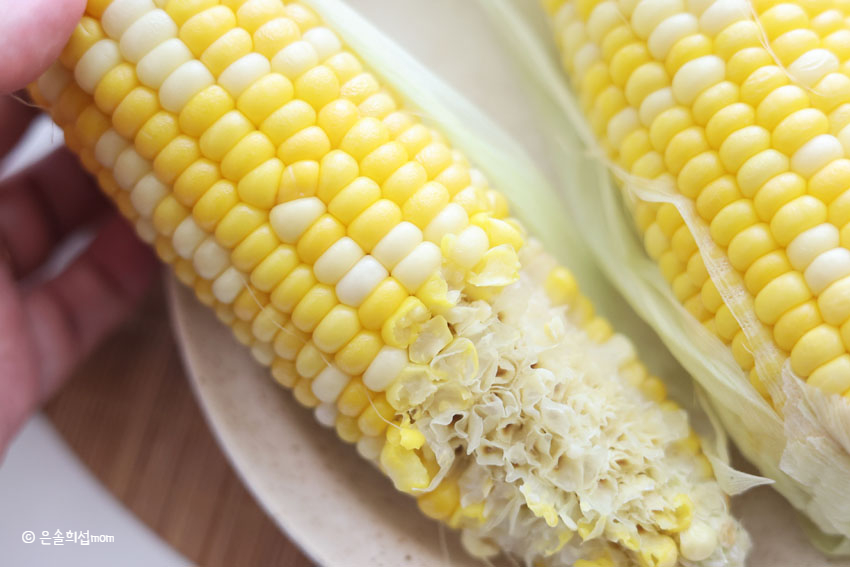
pixel 380 277
pixel 744 112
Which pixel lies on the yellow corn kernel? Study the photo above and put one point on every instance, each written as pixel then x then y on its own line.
pixel 402 327
pixel 375 418
pixel 374 223
pixel 114 87
pixel 313 307
pixel 336 329
pixel 134 110
pixel 214 204
pixel 274 267
pixel 833 376
pixel 303 393
pixel 384 300
pixel 259 186
pixel 254 249
pixel 353 399
pixel 796 322
pixel 293 288
pixel 289 341
pixel 223 134
pixel 168 214
pixel 203 28
pixel 284 373
pixel 425 204
pixel 347 429
pixel 239 222
pixel 657 551
pixel 440 503
pixel 226 49
pixel 354 198
pixel 264 97
pixel 205 109
pixel 248 304
pixel 274 35
pixel 175 158
pixel 310 361
pixel 311 143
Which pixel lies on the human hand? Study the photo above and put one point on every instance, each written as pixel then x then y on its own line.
pixel 48 325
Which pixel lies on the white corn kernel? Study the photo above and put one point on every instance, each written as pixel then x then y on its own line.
pixel 210 259
pixel 326 414
pixel 266 324
pixel 227 287
pixel 370 447
pixel 649 13
pixel 147 194
pixel 356 285
pixel 329 384
pixel 52 83
pixel 161 61
pixel 604 17
pixel 397 244
pixel 619 349
pixel 696 75
pixel 337 260
pixel 567 14
pixel 120 15
pixel 721 14
pixel 109 146
pixel 129 168
pixel 324 41
pixel 384 368
pixel 289 220
pixel 621 125
pixel 827 268
pixel 187 237
pixel 811 243
pixel 698 542
pixel 150 30
pixel 294 59
pixel 263 353
pixel 812 66
pixel 585 57
pixel 815 154
pixel 654 104
pixel 96 62
pixel 418 266
pixel 451 220
pixel 185 82
pixel 670 31
pixel 146 231
pixel 477 178
pixel 470 247
pixel 243 72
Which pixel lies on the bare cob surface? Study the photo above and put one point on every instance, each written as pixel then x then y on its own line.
pixel 380 277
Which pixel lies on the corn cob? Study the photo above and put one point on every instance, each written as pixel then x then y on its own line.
pixel 381 279
pixel 742 108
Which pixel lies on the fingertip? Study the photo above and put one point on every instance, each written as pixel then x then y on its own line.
pixel 32 35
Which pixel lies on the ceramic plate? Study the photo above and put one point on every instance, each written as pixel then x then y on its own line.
pixel 337 507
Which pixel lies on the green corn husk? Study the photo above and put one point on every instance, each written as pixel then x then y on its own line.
pixel 802 444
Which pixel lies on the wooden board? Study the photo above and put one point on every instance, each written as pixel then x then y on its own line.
pixel 130 415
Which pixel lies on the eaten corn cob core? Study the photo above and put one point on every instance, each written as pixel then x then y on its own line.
pixel 744 108
pixel 380 277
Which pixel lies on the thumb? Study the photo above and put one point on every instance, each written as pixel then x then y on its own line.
pixel 32 34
